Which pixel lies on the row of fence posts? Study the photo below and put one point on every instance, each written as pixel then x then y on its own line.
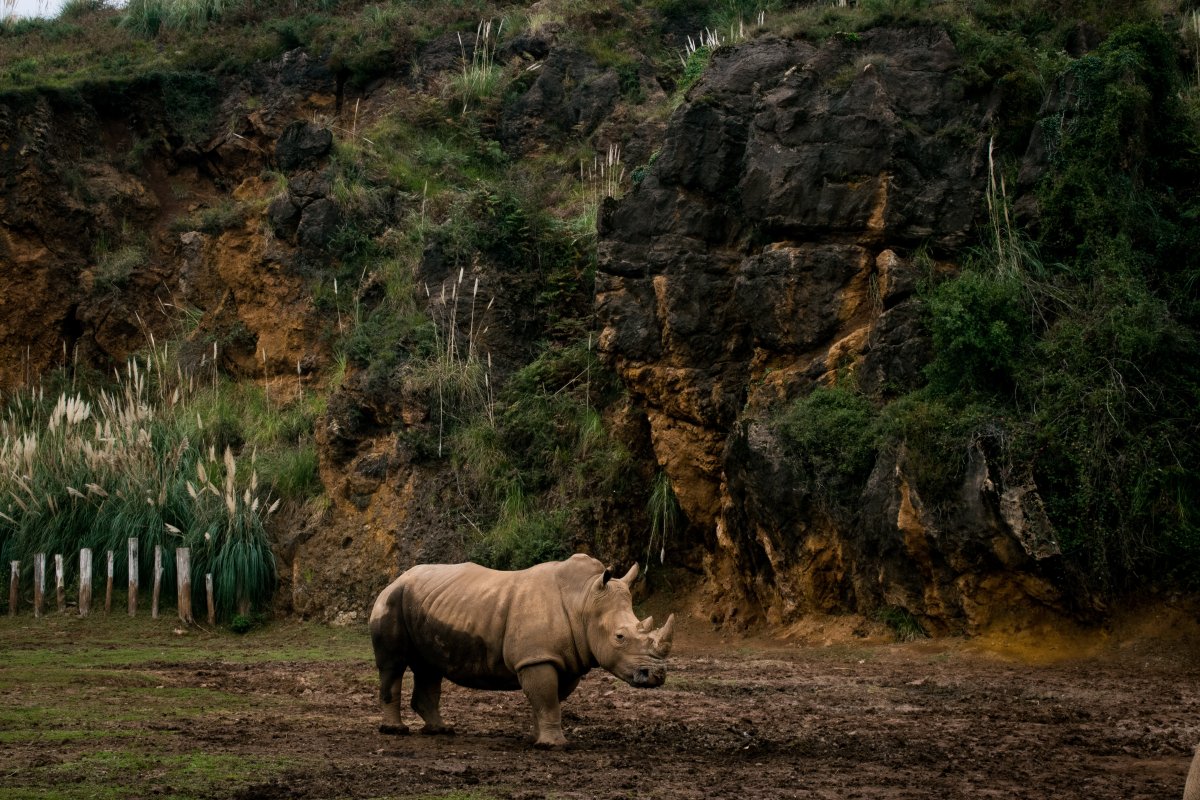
pixel 183 569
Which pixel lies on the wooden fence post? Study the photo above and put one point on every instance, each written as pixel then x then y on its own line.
pixel 13 588
pixel 108 590
pixel 133 576
pixel 59 590
pixel 183 580
pixel 212 609
pixel 158 573
pixel 39 583
pixel 85 581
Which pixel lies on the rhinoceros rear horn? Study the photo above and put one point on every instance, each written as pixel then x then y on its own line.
pixel 646 625
pixel 630 576
pixel 606 577
pixel 662 638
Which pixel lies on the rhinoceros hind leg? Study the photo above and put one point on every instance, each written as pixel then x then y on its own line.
pixel 540 683
pixel 391 679
pixel 427 700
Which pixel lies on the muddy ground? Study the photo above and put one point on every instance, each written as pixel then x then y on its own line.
pixel 738 717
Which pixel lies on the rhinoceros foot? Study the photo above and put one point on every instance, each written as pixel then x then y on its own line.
pixel 551 744
pixel 438 730
pixel 393 730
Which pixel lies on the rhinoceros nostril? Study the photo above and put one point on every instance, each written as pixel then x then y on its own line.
pixel 642 675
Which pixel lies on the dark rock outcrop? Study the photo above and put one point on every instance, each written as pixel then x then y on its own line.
pixel 301 144
pixel 570 93
pixel 769 250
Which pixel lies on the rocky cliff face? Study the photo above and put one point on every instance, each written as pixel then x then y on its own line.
pixel 769 249
pixel 121 207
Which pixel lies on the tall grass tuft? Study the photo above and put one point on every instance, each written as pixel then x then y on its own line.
pixel 458 372
pixel 480 76
pixel 665 514
pixel 134 459
pixel 148 17
pixel 1191 34
pixel 602 178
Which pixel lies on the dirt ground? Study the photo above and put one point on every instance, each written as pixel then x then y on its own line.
pixel 825 715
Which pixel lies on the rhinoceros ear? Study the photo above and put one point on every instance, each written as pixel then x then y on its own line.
pixel 630 576
pixel 604 579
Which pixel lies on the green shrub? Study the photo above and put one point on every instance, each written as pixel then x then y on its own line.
pixel 1085 363
pixel 523 536
pixel 693 67
pixel 981 331
pixel 148 17
pixel 937 433
pixel 145 17
pixel 77 9
pixel 190 102
pixel 830 436
pixel 218 219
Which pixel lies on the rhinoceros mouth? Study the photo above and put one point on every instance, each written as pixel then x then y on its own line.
pixel 648 677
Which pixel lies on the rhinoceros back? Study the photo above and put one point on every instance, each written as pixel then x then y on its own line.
pixel 478 626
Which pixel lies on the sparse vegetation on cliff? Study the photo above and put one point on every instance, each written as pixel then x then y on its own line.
pixel 1071 348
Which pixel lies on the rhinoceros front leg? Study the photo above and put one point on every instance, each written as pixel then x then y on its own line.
pixel 540 684
pixel 426 701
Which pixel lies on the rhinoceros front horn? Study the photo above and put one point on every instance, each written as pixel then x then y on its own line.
pixel 661 639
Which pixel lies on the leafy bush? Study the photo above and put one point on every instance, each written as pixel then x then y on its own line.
pixel 523 536
pixel 936 432
pixel 693 67
pixel 830 435
pixel 981 330
pixel 77 9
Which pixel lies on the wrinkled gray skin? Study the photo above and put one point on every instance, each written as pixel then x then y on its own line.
pixel 539 630
pixel 1192 790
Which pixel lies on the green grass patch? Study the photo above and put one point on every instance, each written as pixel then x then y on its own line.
pixel 114 698
pixel 105 774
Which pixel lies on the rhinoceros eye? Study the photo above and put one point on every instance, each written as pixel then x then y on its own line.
pixel 620 638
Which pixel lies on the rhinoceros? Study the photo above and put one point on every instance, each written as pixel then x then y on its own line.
pixel 539 629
